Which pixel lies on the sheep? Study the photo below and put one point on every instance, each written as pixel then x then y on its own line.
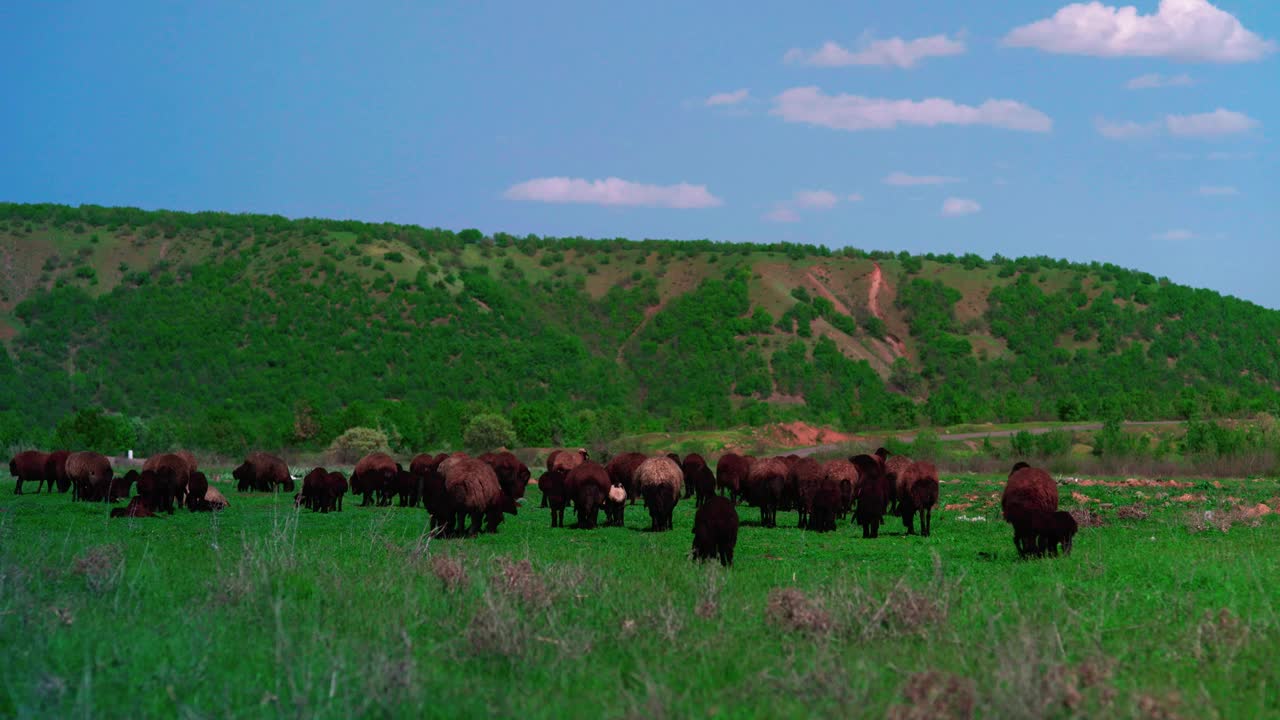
pixel 335 488
pixel 688 466
pixel 917 489
pixel 176 471
pixel 764 487
pixel 565 460
pixel 622 470
pixel 588 485
pixel 55 470
pixel 1028 490
pixel 314 488
pixel 699 478
pixel 874 489
pixel 197 488
pixel 262 472
pixel 803 480
pixel 92 474
pixel 731 473
pixel 513 475
pixel 474 492
pixel 375 473
pixel 215 500
pixel 845 477
pixel 615 506
pixel 660 480
pixel 551 483
pixel 1051 530
pixel 138 507
pixel 715 530
pixel 26 466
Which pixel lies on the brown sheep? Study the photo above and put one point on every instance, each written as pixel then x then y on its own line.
pixel 688 466
pixel 552 485
pixel 55 470
pixel 918 493
pixel 26 466
pixel 622 471
pixel 588 486
pixel 513 475
pixel 715 530
pixel 731 472
pixel 660 481
pixel 1028 490
pixel 1051 530
pixel 262 472
pixel 615 506
pixel 197 488
pixel 765 484
pixel 176 472
pixel 804 480
pixel 845 477
pixel 91 472
pixel 376 475
pixel 567 460
pixel 474 493
pixel 138 507
pixel 875 487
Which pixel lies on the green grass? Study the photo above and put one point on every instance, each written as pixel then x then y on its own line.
pixel 264 611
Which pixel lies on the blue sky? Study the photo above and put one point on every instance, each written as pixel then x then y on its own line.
pixel 986 126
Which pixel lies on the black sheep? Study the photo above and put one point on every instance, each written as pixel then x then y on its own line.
pixel 873 494
pixel 715 530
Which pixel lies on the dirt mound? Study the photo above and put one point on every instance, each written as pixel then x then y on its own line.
pixel 800 434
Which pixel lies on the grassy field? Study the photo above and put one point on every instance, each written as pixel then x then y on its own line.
pixel 265 611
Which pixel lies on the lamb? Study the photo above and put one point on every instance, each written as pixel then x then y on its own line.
pixel 691 462
pixel 375 474
pixel 55 470
pixel 622 470
pixel 197 488
pixel 588 485
pixel 335 488
pixel 845 477
pixel 874 490
pixel 660 480
pixel 803 481
pixel 314 487
pixel 698 478
pixel 1028 490
pixel 27 466
pixel 764 487
pixel 615 506
pixel 91 473
pixel 551 483
pixel 917 489
pixel 715 530
pixel 1051 530
pixel 731 473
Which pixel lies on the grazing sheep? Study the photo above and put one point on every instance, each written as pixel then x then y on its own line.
pixel 376 475
pixel 764 487
pixel 262 472
pixel 138 507
pixel 660 480
pixel 552 485
pixel 731 473
pixel 474 492
pixel 92 474
pixel 197 488
pixel 803 480
pixel 698 479
pixel 918 493
pixel 567 460
pixel 715 530
pixel 55 470
pixel 688 466
pixel 622 471
pixel 1028 490
pixel 1053 530
pixel 314 487
pixel 874 489
pixel 845 477
pixel 215 500
pixel 177 472
pixel 615 506
pixel 513 475
pixel 588 485
pixel 335 489
pixel 26 466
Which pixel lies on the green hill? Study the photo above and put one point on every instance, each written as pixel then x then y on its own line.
pixel 225 331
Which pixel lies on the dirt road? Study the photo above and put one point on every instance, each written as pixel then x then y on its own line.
pixel 910 437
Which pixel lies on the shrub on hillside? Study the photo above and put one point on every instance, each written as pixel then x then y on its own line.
pixel 488 431
pixel 357 442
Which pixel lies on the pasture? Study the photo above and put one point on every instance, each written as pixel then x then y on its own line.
pixel 264 610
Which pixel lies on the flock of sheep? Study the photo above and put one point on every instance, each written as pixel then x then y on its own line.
pixel 465 495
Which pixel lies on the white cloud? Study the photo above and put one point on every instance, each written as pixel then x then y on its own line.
pixel 894 51
pixel 782 214
pixel 1125 130
pixel 1218 190
pixel 612 191
pixel 1215 124
pixel 727 98
pixel 1178 234
pixel 955 207
pixel 820 199
pixel 901 179
pixel 854 197
pixel 1181 29
pixel 853 112
pixel 1156 80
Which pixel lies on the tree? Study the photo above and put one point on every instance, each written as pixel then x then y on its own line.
pixel 488 431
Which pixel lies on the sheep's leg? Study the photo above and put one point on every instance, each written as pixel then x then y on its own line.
pixel 18 490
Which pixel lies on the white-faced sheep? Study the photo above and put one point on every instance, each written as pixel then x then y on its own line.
pixel 1029 490
pixel 622 470
pixel 660 481
pixel 615 506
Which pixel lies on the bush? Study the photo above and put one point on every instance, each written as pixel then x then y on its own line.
pixel 93 430
pixel 357 442
pixel 488 431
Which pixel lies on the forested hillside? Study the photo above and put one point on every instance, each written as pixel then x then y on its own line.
pixel 224 331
